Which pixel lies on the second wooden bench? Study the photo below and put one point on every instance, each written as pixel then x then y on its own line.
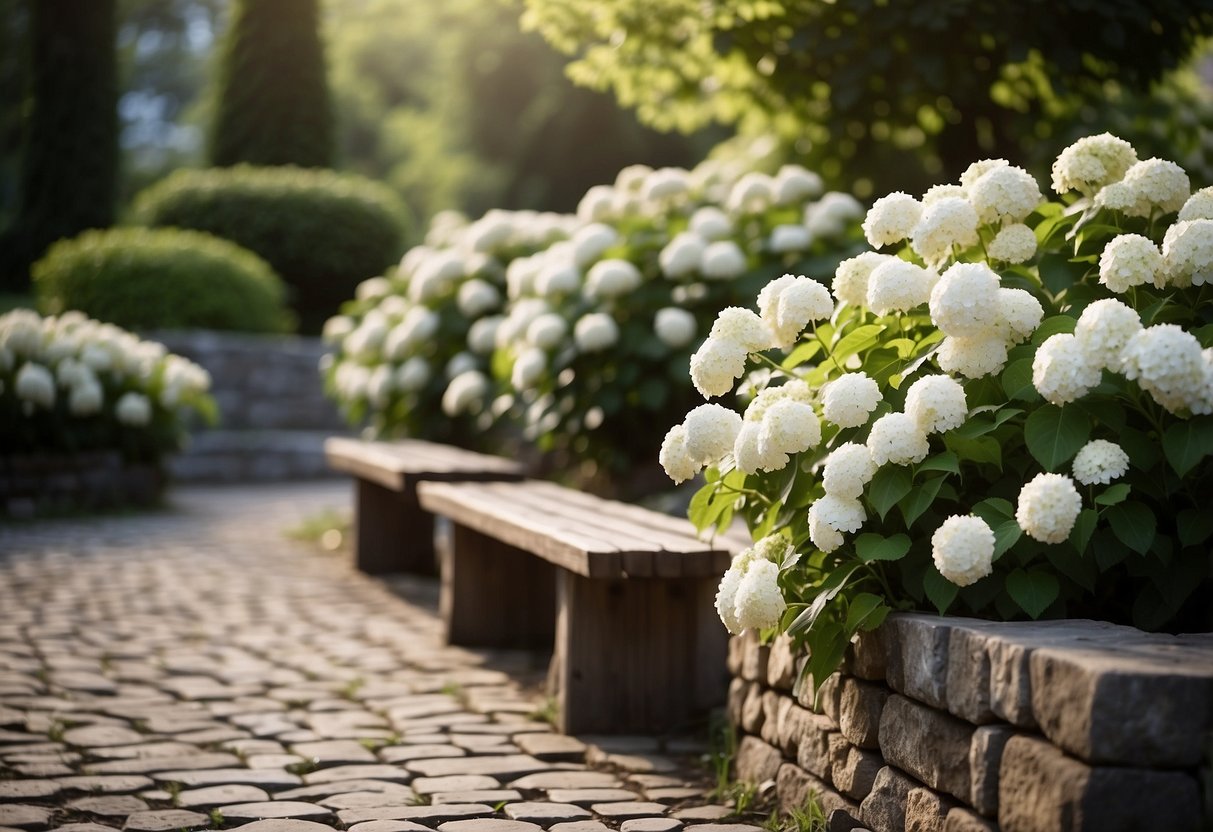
pixel 625 594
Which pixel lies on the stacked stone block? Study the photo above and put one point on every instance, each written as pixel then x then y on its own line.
pixel 959 725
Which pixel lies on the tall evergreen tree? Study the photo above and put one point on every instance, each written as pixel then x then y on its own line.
pixel 273 103
pixel 69 168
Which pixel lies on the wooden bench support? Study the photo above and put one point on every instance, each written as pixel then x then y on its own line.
pixel 393 532
pixel 636 653
pixel 494 595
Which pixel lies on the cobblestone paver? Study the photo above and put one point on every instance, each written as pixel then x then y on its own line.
pixel 193 668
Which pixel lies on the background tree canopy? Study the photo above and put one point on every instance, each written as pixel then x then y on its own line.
pixel 901 91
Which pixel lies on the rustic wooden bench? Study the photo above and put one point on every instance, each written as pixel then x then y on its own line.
pixel 627 595
pixel 394 533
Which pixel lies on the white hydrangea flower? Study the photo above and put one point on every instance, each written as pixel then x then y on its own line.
pixel 379 386
pixel 747 454
pixel 1021 313
pixel 1157 185
pixel 595 332
pixel 742 327
pixel 947 224
pixel 711 431
pixel 682 255
pixel 938 192
pixel 372 288
pixel 611 278
pixel 1119 196
pixel 972 357
pixel 632 177
pixel 800 302
pixel 465 393
pixel 482 335
pixel 937 403
pixel 710 223
pixel 476 297
pixel 759 601
pixel 849 400
pixel 547 331
pixel 1104 329
pixel 1048 506
pixel 1099 462
pixel 591 241
pixel 842 514
pixel 1187 251
pixel 847 470
pixel 1198 207
pixel 336 328
pixel 529 367
pixel 897 438
pixel 679 465
pixel 794 184
pixel 726 593
pixel 716 365
pixel 665 184
pixel 1130 260
pixel 976 170
pixel 891 219
pixel 789 238
pixel 415 373
pixel 133 410
pixel 897 285
pixel 851 278
pixel 832 214
pixel 1166 362
pixel 787 427
pixel 963 549
pixel 87 397
pixel 963 303
pixel 722 260
pixel 35 384
pixel 436 276
pixel 753 192
pixel 1004 194
pixel 822 534
pixel 1062 371
pixel 1015 243
pixel 768 298
pixel 597 204
pixel 1091 163
pixel 555 279
pixel 796 390
pixel 675 326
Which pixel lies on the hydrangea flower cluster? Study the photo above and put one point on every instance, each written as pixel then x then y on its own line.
pixel 749 593
pixel 932 436
pixel 96 381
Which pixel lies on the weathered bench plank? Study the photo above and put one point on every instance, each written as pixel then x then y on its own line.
pixel 637 645
pixel 394 532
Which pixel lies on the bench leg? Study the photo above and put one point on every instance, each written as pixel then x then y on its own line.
pixel 393 533
pixel 494 595
pixel 636 655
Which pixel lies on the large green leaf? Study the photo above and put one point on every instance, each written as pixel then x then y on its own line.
pixel 1017 380
pixel 1187 442
pixel 1116 494
pixel 1084 527
pixel 1052 326
pixel 983 450
pixel 857 340
pixel 1133 524
pixel 939 589
pixel 1033 590
pixel 866 611
pixel 870 547
pixel 891 483
pixel 945 461
pixel 1054 434
pixel 1194 526
pixel 920 498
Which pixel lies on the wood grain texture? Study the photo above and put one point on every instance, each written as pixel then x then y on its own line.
pixel 392 533
pixel 400 465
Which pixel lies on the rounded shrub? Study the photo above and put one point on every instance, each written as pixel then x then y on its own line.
pixel 324 232
pixel 143 278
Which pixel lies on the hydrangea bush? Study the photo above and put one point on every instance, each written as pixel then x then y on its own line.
pixel 576 331
pixel 70 384
pixel 1002 410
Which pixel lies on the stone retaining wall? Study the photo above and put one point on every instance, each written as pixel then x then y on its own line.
pixel 274 415
pixel 959 725
pixel 32 484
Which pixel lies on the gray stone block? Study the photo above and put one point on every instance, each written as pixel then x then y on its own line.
pixel 736 654
pixel 1148 703
pixel 968 679
pixel 813 749
pixel 860 705
pixel 1043 790
pixel 756 761
pixel 795 787
pixel 985 758
pixel 752 714
pixel 773 705
pixel 962 820
pixel 884 809
pixel 867 657
pixel 793 724
pixel 931 745
pixel 917 659
pixel 853 770
pixel 754 661
pixel 738 688
pixel 926 811
pixel 781 664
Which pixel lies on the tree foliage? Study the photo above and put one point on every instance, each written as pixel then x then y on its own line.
pixel 69 164
pixel 872 84
pixel 273 103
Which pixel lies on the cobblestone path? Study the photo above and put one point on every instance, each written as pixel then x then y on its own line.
pixel 194 668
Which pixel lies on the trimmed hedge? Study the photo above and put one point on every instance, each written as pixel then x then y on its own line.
pixel 143 279
pixel 323 232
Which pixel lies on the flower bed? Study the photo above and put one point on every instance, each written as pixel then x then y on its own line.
pixel 1004 411
pixel 78 397
pixel 575 331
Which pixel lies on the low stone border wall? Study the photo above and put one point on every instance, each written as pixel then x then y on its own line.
pixel 274 414
pixel 960 725
pixel 48 483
